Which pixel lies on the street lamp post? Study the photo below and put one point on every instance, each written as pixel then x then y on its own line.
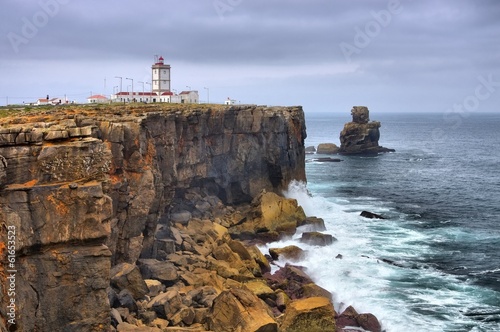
pixel 142 89
pixel 208 94
pixel 121 90
pixel 132 86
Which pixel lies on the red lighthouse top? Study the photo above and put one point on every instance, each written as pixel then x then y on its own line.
pixel 160 60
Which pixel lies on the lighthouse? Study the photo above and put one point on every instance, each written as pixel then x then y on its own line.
pixel 161 76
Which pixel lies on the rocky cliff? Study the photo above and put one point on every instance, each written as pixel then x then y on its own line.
pixel 89 188
pixel 360 136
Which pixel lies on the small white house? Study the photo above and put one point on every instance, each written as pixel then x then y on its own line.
pixel 97 99
pixel 189 97
pixel 229 101
pixel 52 101
pixel 42 101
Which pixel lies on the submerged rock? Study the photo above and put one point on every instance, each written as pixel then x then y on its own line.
pixel 371 215
pixel 360 136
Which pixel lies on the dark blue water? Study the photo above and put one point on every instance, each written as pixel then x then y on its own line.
pixel 441 194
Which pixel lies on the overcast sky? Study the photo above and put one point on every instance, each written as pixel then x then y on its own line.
pixel 326 55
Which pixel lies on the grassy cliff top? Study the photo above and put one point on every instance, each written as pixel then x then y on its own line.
pixel 23 115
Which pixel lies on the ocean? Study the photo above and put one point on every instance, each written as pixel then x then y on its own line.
pixel 434 263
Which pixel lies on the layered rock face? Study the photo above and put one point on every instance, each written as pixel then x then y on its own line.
pixel 89 188
pixel 361 135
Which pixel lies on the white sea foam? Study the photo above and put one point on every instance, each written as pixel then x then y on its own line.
pixel 403 296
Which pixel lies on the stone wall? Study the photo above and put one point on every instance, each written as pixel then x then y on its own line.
pixel 88 188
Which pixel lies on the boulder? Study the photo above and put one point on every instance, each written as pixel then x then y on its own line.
pixel 239 309
pixel 351 318
pixel 347 318
pixel 127 276
pixel 317 238
pixel 291 252
pixel 360 136
pixel 155 287
pixel 371 215
pixel 165 272
pixel 260 288
pixel 313 290
pixel 126 300
pixel 259 258
pixel 314 224
pixel 290 279
pixel 327 148
pixel 270 214
pixel 369 322
pixel 314 314
pixel 167 304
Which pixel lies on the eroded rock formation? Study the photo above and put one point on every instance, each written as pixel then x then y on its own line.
pixel 88 188
pixel 360 136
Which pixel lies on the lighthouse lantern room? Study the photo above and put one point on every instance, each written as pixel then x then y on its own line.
pixel 161 76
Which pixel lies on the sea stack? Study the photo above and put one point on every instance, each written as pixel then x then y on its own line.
pixel 361 135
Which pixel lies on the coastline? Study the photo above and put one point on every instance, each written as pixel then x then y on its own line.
pixel 158 202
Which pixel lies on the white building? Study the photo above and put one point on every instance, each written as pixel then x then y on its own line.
pixel 53 101
pixel 189 97
pixel 97 99
pixel 229 101
pixel 161 92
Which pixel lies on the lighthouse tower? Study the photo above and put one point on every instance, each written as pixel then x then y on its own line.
pixel 161 76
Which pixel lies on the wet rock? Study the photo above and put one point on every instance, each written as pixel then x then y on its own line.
pixel 291 252
pixel 347 318
pixel 371 215
pixel 317 238
pixel 289 279
pixel 328 160
pixel 314 224
pixel 314 314
pixel 369 322
pixel 351 318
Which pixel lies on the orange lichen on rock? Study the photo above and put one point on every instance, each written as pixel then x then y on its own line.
pixel 59 206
